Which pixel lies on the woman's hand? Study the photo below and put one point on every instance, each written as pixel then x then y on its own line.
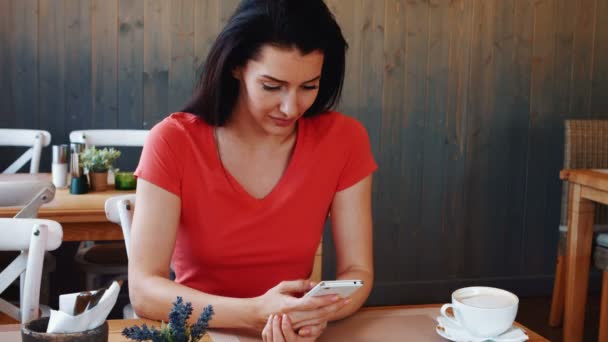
pixel 278 328
pixel 308 314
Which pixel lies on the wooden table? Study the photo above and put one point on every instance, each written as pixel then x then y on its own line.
pixel 587 187
pixel 82 216
pixel 387 324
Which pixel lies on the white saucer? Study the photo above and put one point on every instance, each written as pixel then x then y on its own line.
pixel 444 327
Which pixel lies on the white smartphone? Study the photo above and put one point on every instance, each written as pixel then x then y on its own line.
pixel 344 288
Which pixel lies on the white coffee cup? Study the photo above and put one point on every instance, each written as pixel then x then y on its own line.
pixel 482 311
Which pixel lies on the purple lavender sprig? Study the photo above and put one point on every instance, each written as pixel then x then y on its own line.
pixel 142 333
pixel 197 330
pixel 177 330
pixel 178 318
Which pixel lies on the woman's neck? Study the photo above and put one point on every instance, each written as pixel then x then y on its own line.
pixel 242 127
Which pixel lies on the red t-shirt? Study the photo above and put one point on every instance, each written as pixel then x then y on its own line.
pixel 230 243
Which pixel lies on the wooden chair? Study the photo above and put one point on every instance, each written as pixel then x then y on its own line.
pixel 119 209
pixel 600 257
pixel 30 195
pixel 585 147
pixel 106 259
pixel 32 237
pixel 34 139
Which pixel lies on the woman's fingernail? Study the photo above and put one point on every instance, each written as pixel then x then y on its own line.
pixel 304 331
pixel 335 298
pixel 347 301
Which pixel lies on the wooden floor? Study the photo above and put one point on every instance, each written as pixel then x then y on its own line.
pixel 534 313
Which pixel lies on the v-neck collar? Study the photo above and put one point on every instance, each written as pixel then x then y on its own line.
pixel 239 189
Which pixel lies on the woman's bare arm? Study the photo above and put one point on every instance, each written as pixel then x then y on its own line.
pixel 351 221
pixel 153 234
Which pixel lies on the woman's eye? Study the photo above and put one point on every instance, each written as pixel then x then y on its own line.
pixel 310 87
pixel 270 87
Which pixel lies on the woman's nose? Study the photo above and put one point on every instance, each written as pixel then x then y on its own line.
pixel 289 105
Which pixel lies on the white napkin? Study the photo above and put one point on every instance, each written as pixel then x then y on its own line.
pixel 457 333
pixel 63 321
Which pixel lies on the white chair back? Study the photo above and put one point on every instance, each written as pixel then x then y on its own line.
pixel 109 137
pixel 32 237
pixel 34 139
pixel 119 209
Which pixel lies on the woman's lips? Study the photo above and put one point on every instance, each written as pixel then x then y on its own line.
pixel 282 122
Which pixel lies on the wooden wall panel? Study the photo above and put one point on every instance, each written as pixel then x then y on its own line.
pixel 104 53
pixel 181 75
pixel 464 102
pixel 78 78
pixel 391 218
pixel 23 61
pixel 460 40
pixel 599 91
pixel 6 101
pixel 156 61
pixel 130 63
pixel 205 30
pixel 434 165
pixel 478 182
pixel 51 65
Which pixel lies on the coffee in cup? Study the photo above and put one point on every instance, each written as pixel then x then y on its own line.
pixel 482 311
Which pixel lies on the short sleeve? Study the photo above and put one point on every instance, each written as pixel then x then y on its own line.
pixel 360 162
pixel 160 163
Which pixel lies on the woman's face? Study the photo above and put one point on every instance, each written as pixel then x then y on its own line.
pixel 277 88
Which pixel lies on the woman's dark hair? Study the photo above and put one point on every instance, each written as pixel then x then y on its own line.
pixel 307 25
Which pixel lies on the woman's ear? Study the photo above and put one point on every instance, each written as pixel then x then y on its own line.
pixel 237 73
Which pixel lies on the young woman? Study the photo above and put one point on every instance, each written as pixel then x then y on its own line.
pixel 234 191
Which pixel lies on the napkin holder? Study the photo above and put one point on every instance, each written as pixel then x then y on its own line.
pixel 35 331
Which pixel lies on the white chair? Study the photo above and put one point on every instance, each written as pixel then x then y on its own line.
pixel 29 193
pixel 108 258
pixel 34 139
pixel 33 237
pixel 119 209
pixel 109 137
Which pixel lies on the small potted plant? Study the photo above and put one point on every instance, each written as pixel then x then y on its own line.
pixel 98 162
pixel 177 330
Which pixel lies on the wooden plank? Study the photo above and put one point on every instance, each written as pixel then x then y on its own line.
pixel 477 179
pixel 564 25
pixel 371 26
pixel 78 87
pixel 227 8
pixel 51 66
pixel 599 100
pixel 130 63
pixel 24 60
pixel 392 217
pixel 345 16
pixel 583 57
pixel 538 178
pixel 590 178
pixel 460 40
pixel 409 138
pixel 349 102
pixel 206 28
pixel 578 256
pixel 523 31
pixel 7 110
pixel 508 125
pixel 156 61
pixel 181 69
pixel 433 163
pixel 595 195
pixel 104 34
